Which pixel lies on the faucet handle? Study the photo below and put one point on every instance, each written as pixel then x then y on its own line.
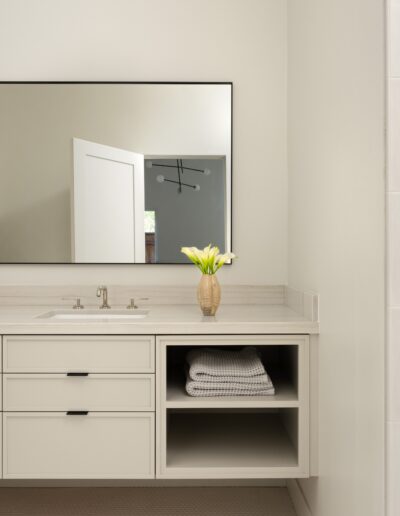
pixel 77 305
pixel 132 305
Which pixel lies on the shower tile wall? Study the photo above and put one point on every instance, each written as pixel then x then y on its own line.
pixel 393 242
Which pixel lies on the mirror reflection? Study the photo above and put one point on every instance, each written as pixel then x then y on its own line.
pixel 113 173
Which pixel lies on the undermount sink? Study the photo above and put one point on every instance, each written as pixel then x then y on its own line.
pixel 95 315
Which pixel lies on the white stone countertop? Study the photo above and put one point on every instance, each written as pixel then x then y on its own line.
pixel 164 320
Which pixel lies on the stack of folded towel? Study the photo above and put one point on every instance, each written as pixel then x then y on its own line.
pixel 217 372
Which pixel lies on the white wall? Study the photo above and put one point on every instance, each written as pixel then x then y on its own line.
pixel 393 277
pixel 336 236
pixel 211 40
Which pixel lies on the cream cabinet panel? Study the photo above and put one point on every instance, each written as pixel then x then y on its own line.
pixel 94 392
pixel 97 445
pixel 93 354
pixel 1 370
pixel 1 447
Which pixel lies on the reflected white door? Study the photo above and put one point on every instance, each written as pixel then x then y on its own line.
pixel 107 204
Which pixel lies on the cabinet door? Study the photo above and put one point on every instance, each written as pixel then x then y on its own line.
pixel 96 445
pixel 94 392
pixel 87 353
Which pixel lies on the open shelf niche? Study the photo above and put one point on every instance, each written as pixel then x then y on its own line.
pixel 280 363
pixel 225 439
pixel 235 436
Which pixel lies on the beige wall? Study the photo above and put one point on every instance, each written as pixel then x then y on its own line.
pixel 221 40
pixel 336 236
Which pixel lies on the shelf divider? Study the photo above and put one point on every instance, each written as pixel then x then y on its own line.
pixel 177 397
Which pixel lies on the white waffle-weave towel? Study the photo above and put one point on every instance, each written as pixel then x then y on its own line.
pixel 217 372
pixel 216 389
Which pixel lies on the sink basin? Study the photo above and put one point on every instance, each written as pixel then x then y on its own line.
pixel 95 315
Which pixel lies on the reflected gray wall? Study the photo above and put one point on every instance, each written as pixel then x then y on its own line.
pixel 190 218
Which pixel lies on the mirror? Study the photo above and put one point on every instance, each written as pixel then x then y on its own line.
pixel 114 172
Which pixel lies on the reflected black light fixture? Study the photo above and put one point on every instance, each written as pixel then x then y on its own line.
pixel 180 169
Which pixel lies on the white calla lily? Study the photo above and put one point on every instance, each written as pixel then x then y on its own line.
pixel 208 260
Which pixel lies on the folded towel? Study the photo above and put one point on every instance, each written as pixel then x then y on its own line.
pixel 216 372
pixel 194 388
pixel 217 365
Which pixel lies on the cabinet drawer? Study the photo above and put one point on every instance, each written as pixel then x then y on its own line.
pixel 93 354
pixel 97 445
pixel 95 392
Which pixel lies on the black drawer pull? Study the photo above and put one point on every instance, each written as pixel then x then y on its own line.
pixel 77 412
pixel 77 374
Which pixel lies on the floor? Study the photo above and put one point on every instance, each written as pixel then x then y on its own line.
pixel 160 501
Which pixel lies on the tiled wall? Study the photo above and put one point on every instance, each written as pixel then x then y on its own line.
pixel 393 235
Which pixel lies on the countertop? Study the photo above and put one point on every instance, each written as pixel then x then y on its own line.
pixel 164 320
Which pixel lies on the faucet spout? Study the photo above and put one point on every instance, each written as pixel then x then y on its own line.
pixel 103 291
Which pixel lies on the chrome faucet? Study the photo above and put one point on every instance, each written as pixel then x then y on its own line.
pixel 102 290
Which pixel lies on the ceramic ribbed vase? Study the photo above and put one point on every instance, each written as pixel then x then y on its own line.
pixel 209 294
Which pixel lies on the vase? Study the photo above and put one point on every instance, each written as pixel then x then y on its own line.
pixel 209 294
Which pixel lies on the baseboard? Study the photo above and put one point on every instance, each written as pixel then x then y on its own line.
pixel 296 494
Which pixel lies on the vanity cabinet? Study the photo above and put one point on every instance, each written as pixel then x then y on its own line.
pixel 78 407
pixel 115 407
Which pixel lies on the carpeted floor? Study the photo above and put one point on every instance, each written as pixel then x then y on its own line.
pixel 144 501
